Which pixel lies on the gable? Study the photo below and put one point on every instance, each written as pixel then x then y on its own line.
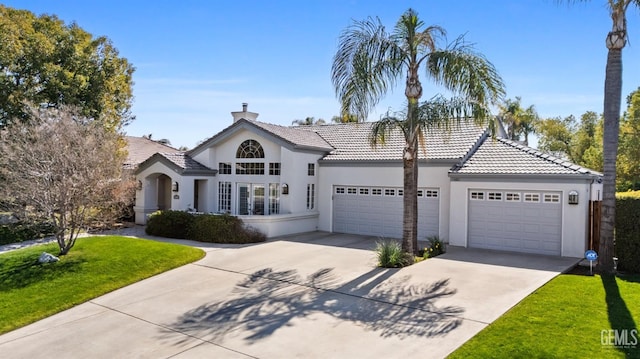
pixel 498 156
pixel 289 137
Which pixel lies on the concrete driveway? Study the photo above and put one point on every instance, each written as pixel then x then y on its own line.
pixel 316 295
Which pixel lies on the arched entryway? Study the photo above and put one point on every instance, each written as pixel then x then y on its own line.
pixel 157 191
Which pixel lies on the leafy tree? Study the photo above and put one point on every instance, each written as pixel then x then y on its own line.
pixel 556 135
pixel 369 61
pixel 65 168
pixel 45 61
pixel 309 121
pixel 629 154
pixel 346 118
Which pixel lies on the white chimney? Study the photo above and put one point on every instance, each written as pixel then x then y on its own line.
pixel 237 115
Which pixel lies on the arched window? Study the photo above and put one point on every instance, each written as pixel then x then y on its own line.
pixel 250 149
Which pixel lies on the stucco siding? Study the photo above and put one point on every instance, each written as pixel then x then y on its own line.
pixel 389 175
pixel 574 217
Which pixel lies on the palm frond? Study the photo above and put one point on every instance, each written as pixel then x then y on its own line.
pixel 368 62
pixel 383 128
pixel 466 73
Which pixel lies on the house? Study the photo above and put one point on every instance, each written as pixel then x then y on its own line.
pixel 474 190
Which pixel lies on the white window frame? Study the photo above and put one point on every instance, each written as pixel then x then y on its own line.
pixel 311 195
pixel 376 191
pixel 431 193
pixel 274 198
pixel 352 190
pixel 531 197
pixel 224 197
pixel 494 196
pixel 390 192
pixel 363 191
pixel 340 190
pixel 512 197
pixel 476 195
pixel 551 198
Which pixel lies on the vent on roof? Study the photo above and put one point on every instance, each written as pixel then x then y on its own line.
pixel 237 115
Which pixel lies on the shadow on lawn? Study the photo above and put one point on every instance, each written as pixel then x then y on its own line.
pixel 620 318
pixel 20 272
pixel 266 301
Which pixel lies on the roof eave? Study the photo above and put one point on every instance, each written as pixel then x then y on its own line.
pixel 585 176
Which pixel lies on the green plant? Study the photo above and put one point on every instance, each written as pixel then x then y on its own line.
pixel 96 266
pixel 171 224
pixel 435 248
pixel 24 231
pixel 627 245
pixel 390 254
pixel 575 307
pixel 223 229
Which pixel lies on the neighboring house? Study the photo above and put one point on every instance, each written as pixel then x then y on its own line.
pixel 140 149
pixel 474 190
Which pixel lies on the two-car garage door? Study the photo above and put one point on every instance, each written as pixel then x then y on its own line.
pixel 520 221
pixel 377 211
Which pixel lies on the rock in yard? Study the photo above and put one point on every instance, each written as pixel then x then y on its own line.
pixel 47 258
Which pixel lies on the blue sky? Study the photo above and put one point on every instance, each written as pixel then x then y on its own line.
pixel 196 61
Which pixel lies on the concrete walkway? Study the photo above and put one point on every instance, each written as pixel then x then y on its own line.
pixel 316 295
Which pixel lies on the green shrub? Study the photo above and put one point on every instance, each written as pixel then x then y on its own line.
pixel 170 224
pixel 390 255
pixel 627 246
pixel 435 248
pixel 203 227
pixel 223 229
pixel 21 231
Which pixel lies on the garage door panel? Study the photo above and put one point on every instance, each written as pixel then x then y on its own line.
pixel 381 215
pixel 534 226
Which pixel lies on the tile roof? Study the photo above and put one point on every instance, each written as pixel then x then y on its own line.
pixel 140 149
pixel 501 156
pixel 185 162
pixel 295 135
pixel 351 141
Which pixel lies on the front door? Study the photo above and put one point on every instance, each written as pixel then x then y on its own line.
pixel 250 199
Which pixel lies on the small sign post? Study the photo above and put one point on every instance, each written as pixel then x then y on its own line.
pixel 591 256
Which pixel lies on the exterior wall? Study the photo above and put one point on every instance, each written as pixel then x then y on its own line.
pixel 391 175
pixel 574 217
pixel 283 224
pixel 182 200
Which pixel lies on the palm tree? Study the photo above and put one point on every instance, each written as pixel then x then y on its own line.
pixel 518 121
pixel 370 60
pixel 308 122
pixel 616 41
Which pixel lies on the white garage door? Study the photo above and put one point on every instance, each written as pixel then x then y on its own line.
pixel 520 221
pixel 377 211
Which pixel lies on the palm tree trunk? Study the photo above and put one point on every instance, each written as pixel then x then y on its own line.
pixel 410 202
pixel 612 98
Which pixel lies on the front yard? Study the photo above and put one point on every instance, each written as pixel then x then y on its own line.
pixel 570 317
pixel 30 291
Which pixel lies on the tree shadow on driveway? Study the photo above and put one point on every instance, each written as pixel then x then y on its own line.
pixel 268 300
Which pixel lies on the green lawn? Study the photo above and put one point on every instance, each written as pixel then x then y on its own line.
pixel 564 319
pixel 30 291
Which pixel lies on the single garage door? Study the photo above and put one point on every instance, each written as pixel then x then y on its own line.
pixel 519 221
pixel 377 211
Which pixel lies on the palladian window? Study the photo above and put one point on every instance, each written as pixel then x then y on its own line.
pixel 250 149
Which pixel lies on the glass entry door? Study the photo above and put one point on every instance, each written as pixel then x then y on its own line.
pixel 250 199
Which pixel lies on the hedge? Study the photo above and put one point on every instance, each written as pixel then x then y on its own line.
pixel 202 227
pixel 24 231
pixel 627 247
pixel 170 224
